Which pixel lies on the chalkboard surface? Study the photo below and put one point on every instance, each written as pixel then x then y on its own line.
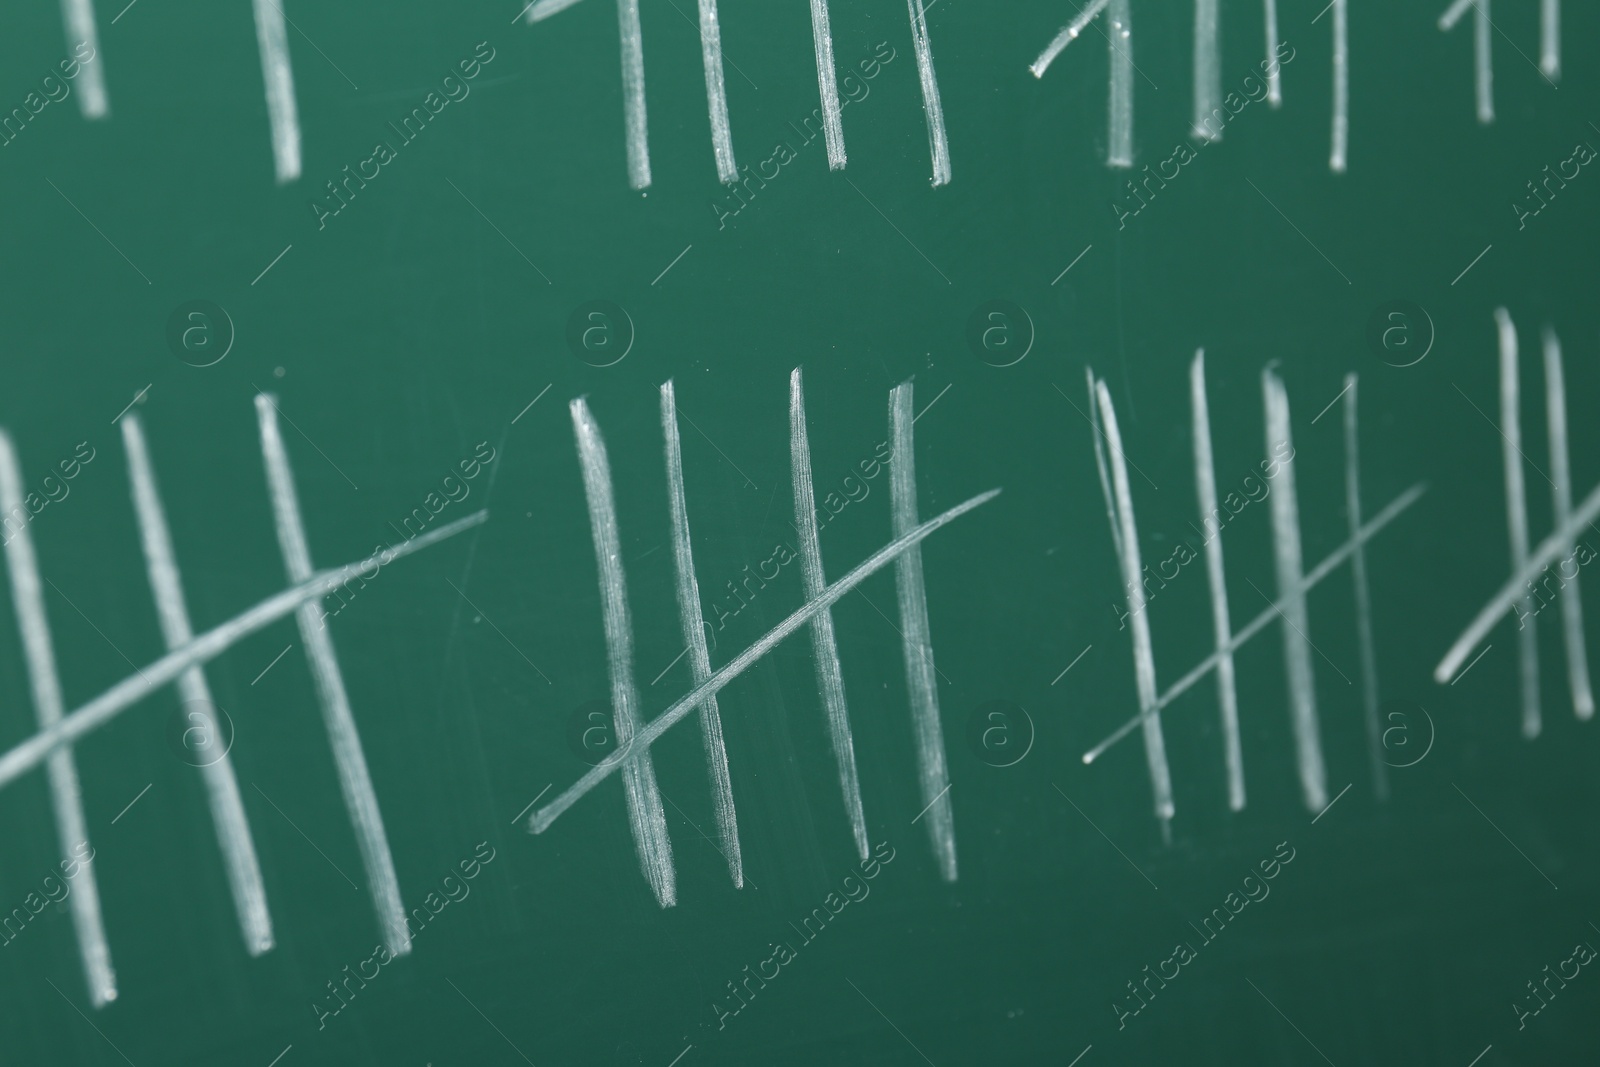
pixel 352 534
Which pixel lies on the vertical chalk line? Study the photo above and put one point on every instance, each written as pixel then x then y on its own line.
pixel 355 783
pixel 1274 74
pixel 633 112
pixel 1358 575
pixel 1119 152
pixel 1205 481
pixel 27 597
pixel 1100 464
pixel 1207 69
pixel 716 92
pixel 1068 34
pixel 1561 499
pixel 827 84
pixel 694 640
pixel 1144 664
pixel 1482 59
pixel 645 814
pixel 938 141
pixel 1338 156
pixel 279 79
pixel 222 787
pixel 824 648
pixel 1517 515
pixel 1550 39
pixel 1288 563
pixel 921 685
pixel 79 18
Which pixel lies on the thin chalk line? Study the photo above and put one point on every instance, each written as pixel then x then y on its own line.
pixel 1100 433
pixel 274 662
pixel 273 400
pixel 279 78
pixel 720 52
pixel 938 139
pixel 827 85
pixel 1502 833
pixel 1068 34
pixel 542 819
pixel 1561 505
pixel 1257 624
pixel 1102 833
pixel 1363 595
pixel 633 110
pixel 518 817
pixel 1338 154
pixel 932 802
pixel 1517 512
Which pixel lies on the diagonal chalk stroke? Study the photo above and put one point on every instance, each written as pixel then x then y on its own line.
pixel 355 782
pixel 1272 613
pixel 938 140
pixel 1290 572
pixel 646 816
pixel 208 646
pixel 1517 513
pixel 44 683
pixel 824 648
pixel 1068 34
pixel 541 820
pixel 716 93
pixel 1144 663
pixel 1205 480
pixel 827 85
pixel 922 687
pixel 79 18
pixel 1363 591
pixel 222 786
pixel 279 79
pixel 1100 463
pixel 694 640
pixel 1561 499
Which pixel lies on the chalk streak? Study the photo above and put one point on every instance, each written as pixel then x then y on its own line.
pixel 1100 464
pixel 541 820
pixel 1296 635
pixel 646 816
pixel 1363 591
pixel 1119 152
pixel 1144 664
pixel 543 9
pixel 355 783
pixel 208 646
pixel 1274 73
pixel 824 648
pixel 694 640
pixel 1205 480
pixel 279 79
pixel 44 682
pixel 1068 34
pixel 79 18
pixel 1482 58
pixel 827 85
pixel 1517 514
pixel 1207 69
pixel 1338 156
pixel 222 786
pixel 1272 613
pixel 716 92
pixel 921 686
pixel 633 110
pixel 1550 38
pixel 1561 499
pixel 938 140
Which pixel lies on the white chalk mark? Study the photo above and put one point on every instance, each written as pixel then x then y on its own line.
pixel 1144 663
pixel 1268 615
pixel 79 18
pixel 1331 803
pixel 827 84
pixel 1274 73
pixel 279 79
pixel 938 140
pixel 1363 591
pixel 824 648
pixel 1119 152
pixel 131 803
pixel 692 621
pixel 1100 463
pixel 633 111
pixel 1205 482
pixel 1073 664
pixel 541 820
pixel 518 817
pixel 1474 663
pixel 1068 34
pixel 1517 514
pixel 1561 499
pixel 44 682
pixel 716 93
pixel 1074 263
pixel 208 646
pixel 1338 156
pixel 355 783
pixel 646 816
pixel 1550 39
pixel 922 688
pixel 935 800
pixel 1296 634
pixel 1483 62
pixel 222 786
pixel 1207 69
pixel 543 9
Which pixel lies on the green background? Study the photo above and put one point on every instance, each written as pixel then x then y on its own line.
pixel 411 328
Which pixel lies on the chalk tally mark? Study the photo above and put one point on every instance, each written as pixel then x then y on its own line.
pixel 278 76
pixel 1482 57
pixel 938 141
pixel 78 15
pixel 1119 152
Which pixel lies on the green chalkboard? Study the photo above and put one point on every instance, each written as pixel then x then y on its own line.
pixel 352 536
